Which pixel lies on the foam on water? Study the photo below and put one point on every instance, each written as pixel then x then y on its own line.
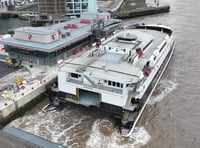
pixel 164 87
pixel 102 134
pixel 140 135
pixel 98 140
pixel 74 127
pixel 47 125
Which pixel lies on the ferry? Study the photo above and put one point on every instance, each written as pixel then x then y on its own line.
pixel 118 75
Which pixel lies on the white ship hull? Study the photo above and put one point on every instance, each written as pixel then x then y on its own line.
pixel 119 76
pixel 127 132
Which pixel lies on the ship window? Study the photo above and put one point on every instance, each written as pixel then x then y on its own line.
pixel 121 85
pixel 109 48
pixel 148 64
pixel 105 81
pixel 113 84
pixel 74 75
pixel 109 82
pixel 127 85
pixel 118 84
pixel 154 58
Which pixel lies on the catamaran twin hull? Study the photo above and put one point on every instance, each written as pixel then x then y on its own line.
pixel 119 75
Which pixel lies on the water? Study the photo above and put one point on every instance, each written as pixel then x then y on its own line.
pixel 172 117
pixel 7 23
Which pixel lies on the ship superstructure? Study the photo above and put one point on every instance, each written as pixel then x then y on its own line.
pixel 119 75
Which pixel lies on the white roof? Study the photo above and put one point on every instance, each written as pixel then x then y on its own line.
pixel 112 66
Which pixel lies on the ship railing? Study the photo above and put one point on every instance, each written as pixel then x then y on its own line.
pixel 98 52
pixel 131 57
pixel 93 51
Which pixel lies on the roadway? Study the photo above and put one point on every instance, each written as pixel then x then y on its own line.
pixel 5 70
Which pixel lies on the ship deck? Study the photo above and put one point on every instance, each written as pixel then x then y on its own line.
pixel 112 65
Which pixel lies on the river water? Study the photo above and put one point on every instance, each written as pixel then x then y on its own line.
pixel 172 117
pixel 8 23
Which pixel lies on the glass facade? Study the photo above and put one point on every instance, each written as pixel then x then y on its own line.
pixel 54 7
pixel 46 58
pixel 76 7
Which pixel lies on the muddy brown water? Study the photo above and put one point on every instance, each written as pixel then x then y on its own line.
pixel 172 117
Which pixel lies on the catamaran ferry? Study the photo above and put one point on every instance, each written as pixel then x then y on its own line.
pixel 118 75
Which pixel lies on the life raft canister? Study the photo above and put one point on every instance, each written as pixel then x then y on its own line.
pixel 147 72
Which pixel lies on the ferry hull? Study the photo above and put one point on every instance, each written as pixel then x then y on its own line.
pixel 117 111
pixel 127 132
pixel 125 102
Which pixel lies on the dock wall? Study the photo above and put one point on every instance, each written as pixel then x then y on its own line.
pixel 140 12
pixel 24 100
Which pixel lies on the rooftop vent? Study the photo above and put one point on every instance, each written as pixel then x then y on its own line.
pixel 63 35
pixel 68 33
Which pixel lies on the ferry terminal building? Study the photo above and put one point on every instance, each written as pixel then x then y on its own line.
pixel 48 45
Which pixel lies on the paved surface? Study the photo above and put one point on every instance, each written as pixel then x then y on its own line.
pixel 4 69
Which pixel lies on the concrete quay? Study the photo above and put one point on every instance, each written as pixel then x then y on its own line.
pixel 15 99
pixel 110 5
pixel 132 10
pixel 141 12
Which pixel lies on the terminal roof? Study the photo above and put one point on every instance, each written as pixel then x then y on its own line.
pixel 83 31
